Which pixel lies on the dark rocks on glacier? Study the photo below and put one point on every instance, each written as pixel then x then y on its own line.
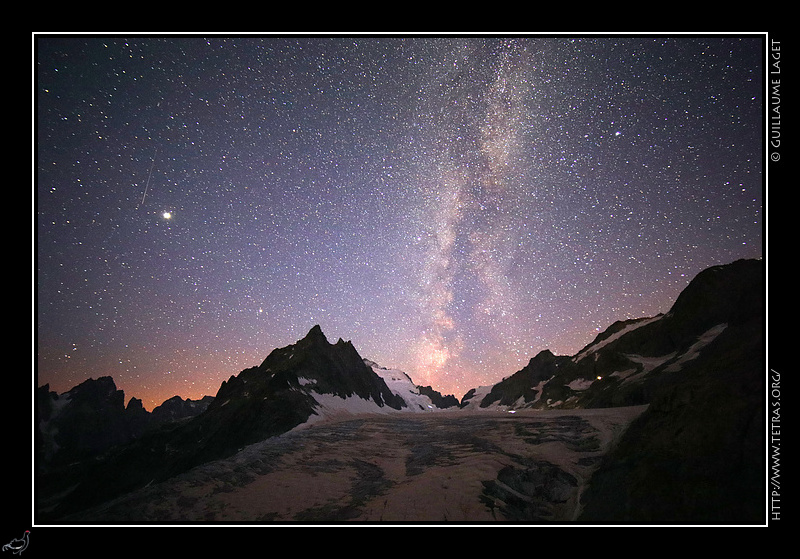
pixel 695 455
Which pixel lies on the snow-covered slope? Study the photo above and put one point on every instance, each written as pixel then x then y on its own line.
pixel 402 385
pixel 330 406
pixel 475 396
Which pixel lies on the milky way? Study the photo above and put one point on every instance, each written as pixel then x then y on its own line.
pixel 452 205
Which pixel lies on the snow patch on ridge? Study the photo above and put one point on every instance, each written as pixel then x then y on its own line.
pixel 706 338
pixel 674 364
pixel 580 384
pixel 629 328
pixel 402 385
pixel 473 403
pixel 330 406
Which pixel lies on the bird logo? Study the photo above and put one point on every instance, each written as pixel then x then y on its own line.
pixel 17 546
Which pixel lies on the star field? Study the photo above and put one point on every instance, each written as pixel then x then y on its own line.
pixel 452 205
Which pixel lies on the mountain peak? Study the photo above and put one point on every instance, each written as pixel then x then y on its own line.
pixel 316 333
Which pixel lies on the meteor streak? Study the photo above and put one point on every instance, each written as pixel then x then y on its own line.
pixel 152 163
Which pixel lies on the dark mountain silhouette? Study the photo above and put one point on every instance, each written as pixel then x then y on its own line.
pixel 694 455
pixel 258 403
pixel 633 361
pixel 92 418
pixel 84 421
pixel 177 409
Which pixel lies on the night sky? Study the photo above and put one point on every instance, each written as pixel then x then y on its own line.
pixel 451 205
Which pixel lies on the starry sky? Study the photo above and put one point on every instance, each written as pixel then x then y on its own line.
pixel 451 204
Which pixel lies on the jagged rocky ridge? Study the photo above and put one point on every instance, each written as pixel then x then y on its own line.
pixel 92 417
pixel 631 361
pixel 708 348
pixel 88 440
pixel 696 455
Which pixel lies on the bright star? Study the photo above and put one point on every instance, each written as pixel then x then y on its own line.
pixel 166 215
